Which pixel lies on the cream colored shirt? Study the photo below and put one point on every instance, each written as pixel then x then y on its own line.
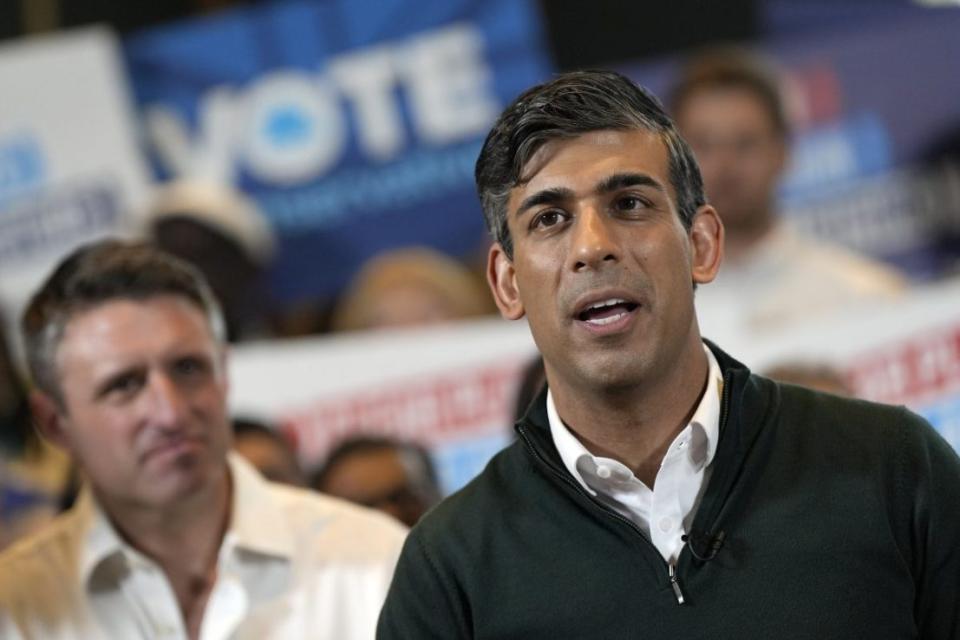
pixel 788 279
pixel 665 513
pixel 294 564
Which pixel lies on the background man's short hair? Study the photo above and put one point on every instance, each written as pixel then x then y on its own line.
pixel 568 106
pixel 97 273
pixel 733 68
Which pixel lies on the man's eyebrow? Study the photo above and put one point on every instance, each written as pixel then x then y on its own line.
pixel 546 196
pixel 623 180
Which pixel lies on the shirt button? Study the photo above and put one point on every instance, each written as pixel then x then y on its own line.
pixel 603 472
pixel 666 524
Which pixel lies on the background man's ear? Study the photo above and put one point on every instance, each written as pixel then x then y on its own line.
pixel 503 283
pixel 48 418
pixel 706 244
pixel 223 357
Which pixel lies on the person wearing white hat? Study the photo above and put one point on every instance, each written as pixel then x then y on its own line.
pixel 225 235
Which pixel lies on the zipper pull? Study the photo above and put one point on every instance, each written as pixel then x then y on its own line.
pixel 674 582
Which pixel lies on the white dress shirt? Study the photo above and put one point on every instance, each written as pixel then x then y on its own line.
pixel 665 513
pixel 293 564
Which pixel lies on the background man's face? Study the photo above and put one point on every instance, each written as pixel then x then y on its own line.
pixel 739 150
pixel 270 457
pixel 144 399
pixel 603 267
pixel 377 479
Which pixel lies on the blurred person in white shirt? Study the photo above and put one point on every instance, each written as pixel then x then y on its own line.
pixel 171 536
pixel 728 105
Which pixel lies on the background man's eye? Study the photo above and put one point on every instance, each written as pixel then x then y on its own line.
pixel 123 386
pixel 188 366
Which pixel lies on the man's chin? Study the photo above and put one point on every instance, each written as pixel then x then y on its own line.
pixel 188 478
pixel 611 374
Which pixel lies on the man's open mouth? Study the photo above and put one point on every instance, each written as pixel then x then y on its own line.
pixel 606 311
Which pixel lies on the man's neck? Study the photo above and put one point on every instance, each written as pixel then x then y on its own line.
pixel 183 540
pixel 636 425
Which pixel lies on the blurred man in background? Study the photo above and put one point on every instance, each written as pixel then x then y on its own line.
pixel 172 536
pixel 223 234
pixel 395 477
pixel 268 450
pixel 729 106
pixel 410 287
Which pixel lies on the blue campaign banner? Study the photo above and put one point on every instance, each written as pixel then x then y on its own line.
pixel 355 125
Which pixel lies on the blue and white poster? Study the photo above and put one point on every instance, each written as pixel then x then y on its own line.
pixel 70 168
pixel 355 125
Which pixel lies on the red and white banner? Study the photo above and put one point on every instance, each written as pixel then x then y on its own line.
pixel 451 388
pixel 454 388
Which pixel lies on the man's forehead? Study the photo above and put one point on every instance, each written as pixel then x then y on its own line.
pixel 559 160
pixel 133 323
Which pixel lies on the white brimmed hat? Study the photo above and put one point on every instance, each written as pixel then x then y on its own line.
pixel 219 207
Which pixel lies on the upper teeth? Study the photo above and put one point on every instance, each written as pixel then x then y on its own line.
pixel 607 303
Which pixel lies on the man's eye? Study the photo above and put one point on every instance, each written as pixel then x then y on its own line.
pixel 547 219
pixel 189 366
pixel 123 385
pixel 631 203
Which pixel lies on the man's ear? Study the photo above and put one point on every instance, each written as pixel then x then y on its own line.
pixel 706 244
pixel 48 418
pixel 502 279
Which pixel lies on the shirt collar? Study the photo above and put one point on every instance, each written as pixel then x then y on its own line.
pixel 100 541
pixel 705 425
pixel 257 523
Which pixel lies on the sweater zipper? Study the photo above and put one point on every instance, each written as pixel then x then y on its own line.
pixel 671 568
pixel 674 582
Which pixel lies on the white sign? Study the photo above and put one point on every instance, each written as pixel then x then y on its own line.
pixel 70 171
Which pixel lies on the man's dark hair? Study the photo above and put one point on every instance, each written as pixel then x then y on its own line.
pixel 568 106
pixel 732 68
pixel 98 273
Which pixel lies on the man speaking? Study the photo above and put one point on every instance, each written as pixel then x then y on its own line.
pixel 657 488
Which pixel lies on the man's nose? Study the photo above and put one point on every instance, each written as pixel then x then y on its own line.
pixel 168 405
pixel 594 241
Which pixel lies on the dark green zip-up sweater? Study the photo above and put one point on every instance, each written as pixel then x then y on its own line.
pixel 841 519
